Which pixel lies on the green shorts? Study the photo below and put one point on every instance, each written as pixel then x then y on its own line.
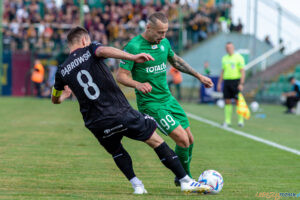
pixel 168 115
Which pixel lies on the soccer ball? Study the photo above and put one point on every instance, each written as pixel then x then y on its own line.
pixel 213 179
pixel 254 106
pixel 220 103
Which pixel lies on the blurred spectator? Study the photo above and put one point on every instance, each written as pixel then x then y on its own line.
pixel 267 40
pixel 176 80
pixel 293 96
pixel 206 68
pixel 225 24
pixel 282 48
pixel 42 25
pixel 51 69
pixel 37 76
pixel 239 26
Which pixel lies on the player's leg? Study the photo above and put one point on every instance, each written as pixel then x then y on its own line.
pixel 184 152
pixel 227 94
pixel 142 127
pixel 171 161
pixel 166 155
pixel 181 139
pixel 169 125
pixel 191 140
pixel 227 112
pixel 112 144
pixel 291 102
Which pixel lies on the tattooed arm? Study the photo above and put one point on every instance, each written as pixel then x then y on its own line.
pixel 184 67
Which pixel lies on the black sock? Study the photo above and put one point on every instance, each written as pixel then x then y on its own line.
pixel 170 160
pixel 124 162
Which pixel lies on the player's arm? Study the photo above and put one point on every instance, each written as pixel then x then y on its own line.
pixel 290 94
pixel 220 81
pixel 241 65
pixel 58 96
pixel 184 67
pixel 242 80
pixel 60 90
pixel 111 52
pixel 124 77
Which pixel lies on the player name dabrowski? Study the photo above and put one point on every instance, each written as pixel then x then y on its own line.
pixel 75 63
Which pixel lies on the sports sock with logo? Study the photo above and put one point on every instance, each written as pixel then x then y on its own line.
pixel 124 162
pixel 190 154
pixel 170 160
pixel 183 155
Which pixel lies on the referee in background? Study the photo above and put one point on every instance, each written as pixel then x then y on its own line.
pixel 233 74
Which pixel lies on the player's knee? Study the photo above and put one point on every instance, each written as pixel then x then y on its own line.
pixel 155 140
pixel 183 141
pixel 191 140
pixel 227 101
pixel 113 149
pixel 117 152
pixel 190 135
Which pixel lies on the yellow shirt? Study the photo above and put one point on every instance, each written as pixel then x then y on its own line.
pixel 232 66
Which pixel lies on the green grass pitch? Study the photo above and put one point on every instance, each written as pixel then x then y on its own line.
pixel 47 153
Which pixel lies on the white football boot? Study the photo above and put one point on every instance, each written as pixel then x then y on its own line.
pixel 194 186
pixel 139 189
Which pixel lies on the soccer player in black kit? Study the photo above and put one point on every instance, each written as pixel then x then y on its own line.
pixel 105 110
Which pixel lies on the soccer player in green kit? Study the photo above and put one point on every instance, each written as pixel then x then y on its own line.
pixel 150 82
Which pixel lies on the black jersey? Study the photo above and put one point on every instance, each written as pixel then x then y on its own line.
pixel 91 81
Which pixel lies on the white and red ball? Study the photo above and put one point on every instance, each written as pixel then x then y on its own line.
pixel 213 179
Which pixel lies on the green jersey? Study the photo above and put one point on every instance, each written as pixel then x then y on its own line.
pixel 232 66
pixel 153 72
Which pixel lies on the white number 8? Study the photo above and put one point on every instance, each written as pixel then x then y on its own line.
pixel 165 123
pixel 86 86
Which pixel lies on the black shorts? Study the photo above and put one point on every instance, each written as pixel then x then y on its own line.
pixel 230 90
pixel 131 124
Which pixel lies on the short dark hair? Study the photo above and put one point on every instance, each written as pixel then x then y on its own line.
pixel 158 16
pixel 75 34
pixel 229 42
pixel 291 78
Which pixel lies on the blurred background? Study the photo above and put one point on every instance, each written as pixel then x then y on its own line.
pixel 47 153
pixel 265 32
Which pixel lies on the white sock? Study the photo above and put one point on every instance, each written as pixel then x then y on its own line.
pixel 185 179
pixel 135 181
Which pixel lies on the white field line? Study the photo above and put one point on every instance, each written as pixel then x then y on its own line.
pixel 237 132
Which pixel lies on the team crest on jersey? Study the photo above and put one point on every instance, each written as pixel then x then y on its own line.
pixel 154 46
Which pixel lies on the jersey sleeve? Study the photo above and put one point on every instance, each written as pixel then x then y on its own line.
pixel 297 90
pixel 241 62
pixel 59 84
pixel 94 46
pixel 128 64
pixel 223 63
pixel 170 51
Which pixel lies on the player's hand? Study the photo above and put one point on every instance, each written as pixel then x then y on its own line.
pixel 206 81
pixel 240 87
pixel 144 87
pixel 66 92
pixel 142 57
